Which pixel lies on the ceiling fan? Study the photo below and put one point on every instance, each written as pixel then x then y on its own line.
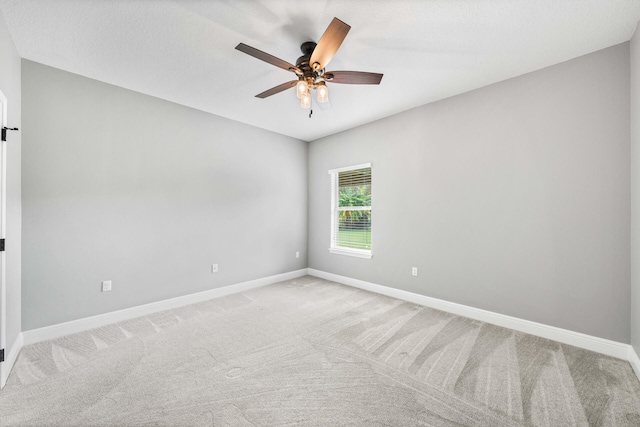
pixel 310 67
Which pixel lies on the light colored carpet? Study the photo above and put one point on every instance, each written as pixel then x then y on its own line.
pixel 314 353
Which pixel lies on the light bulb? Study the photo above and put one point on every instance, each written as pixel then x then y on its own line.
pixel 323 92
pixel 301 88
pixel 305 101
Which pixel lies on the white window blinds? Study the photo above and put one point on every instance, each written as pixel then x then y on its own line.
pixel 351 211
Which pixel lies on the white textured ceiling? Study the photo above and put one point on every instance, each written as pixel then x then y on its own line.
pixel 183 51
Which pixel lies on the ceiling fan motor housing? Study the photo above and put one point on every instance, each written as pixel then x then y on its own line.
pixel 303 62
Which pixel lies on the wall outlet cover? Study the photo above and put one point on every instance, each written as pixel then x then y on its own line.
pixel 106 286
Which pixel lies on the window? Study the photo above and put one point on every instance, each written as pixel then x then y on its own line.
pixel 351 211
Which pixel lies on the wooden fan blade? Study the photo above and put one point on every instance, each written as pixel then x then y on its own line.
pixel 329 44
pixel 353 77
pixel 277 89
pixel 263 56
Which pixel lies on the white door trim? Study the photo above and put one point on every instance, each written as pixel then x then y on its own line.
pixel 4 371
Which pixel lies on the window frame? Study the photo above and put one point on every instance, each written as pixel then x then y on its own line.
pixel 333 244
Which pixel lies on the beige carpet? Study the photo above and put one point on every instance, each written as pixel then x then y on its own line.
pixel 314 353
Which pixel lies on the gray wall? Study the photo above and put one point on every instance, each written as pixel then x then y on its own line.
pixel 635 191
pixel 10 86
pixel 126 187
pixel 512 198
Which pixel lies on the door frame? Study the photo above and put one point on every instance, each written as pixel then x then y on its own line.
pixel 3 228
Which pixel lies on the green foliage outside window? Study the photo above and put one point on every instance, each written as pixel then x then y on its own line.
pixel 354 196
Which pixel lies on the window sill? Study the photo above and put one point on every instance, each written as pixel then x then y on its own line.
pixel 351 252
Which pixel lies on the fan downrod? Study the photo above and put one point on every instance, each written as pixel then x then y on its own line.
pixel 307 48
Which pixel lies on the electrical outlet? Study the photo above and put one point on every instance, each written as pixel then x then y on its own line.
pixel 414 271
pixel 297 254
pixel 214 268
pixel 106 286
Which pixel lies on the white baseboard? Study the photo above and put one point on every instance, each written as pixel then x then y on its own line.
pixel 588 342
pixel 634 361
pixel 577 339
pixel 10 358
pixel 61 329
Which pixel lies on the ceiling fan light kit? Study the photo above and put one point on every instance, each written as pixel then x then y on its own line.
pixel 305 102
pixel 301 88
pixel 323 92
pixel 310 67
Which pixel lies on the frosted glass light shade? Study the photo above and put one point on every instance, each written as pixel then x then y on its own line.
pixel 301 88
pixel 305 101
pixel 323 92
